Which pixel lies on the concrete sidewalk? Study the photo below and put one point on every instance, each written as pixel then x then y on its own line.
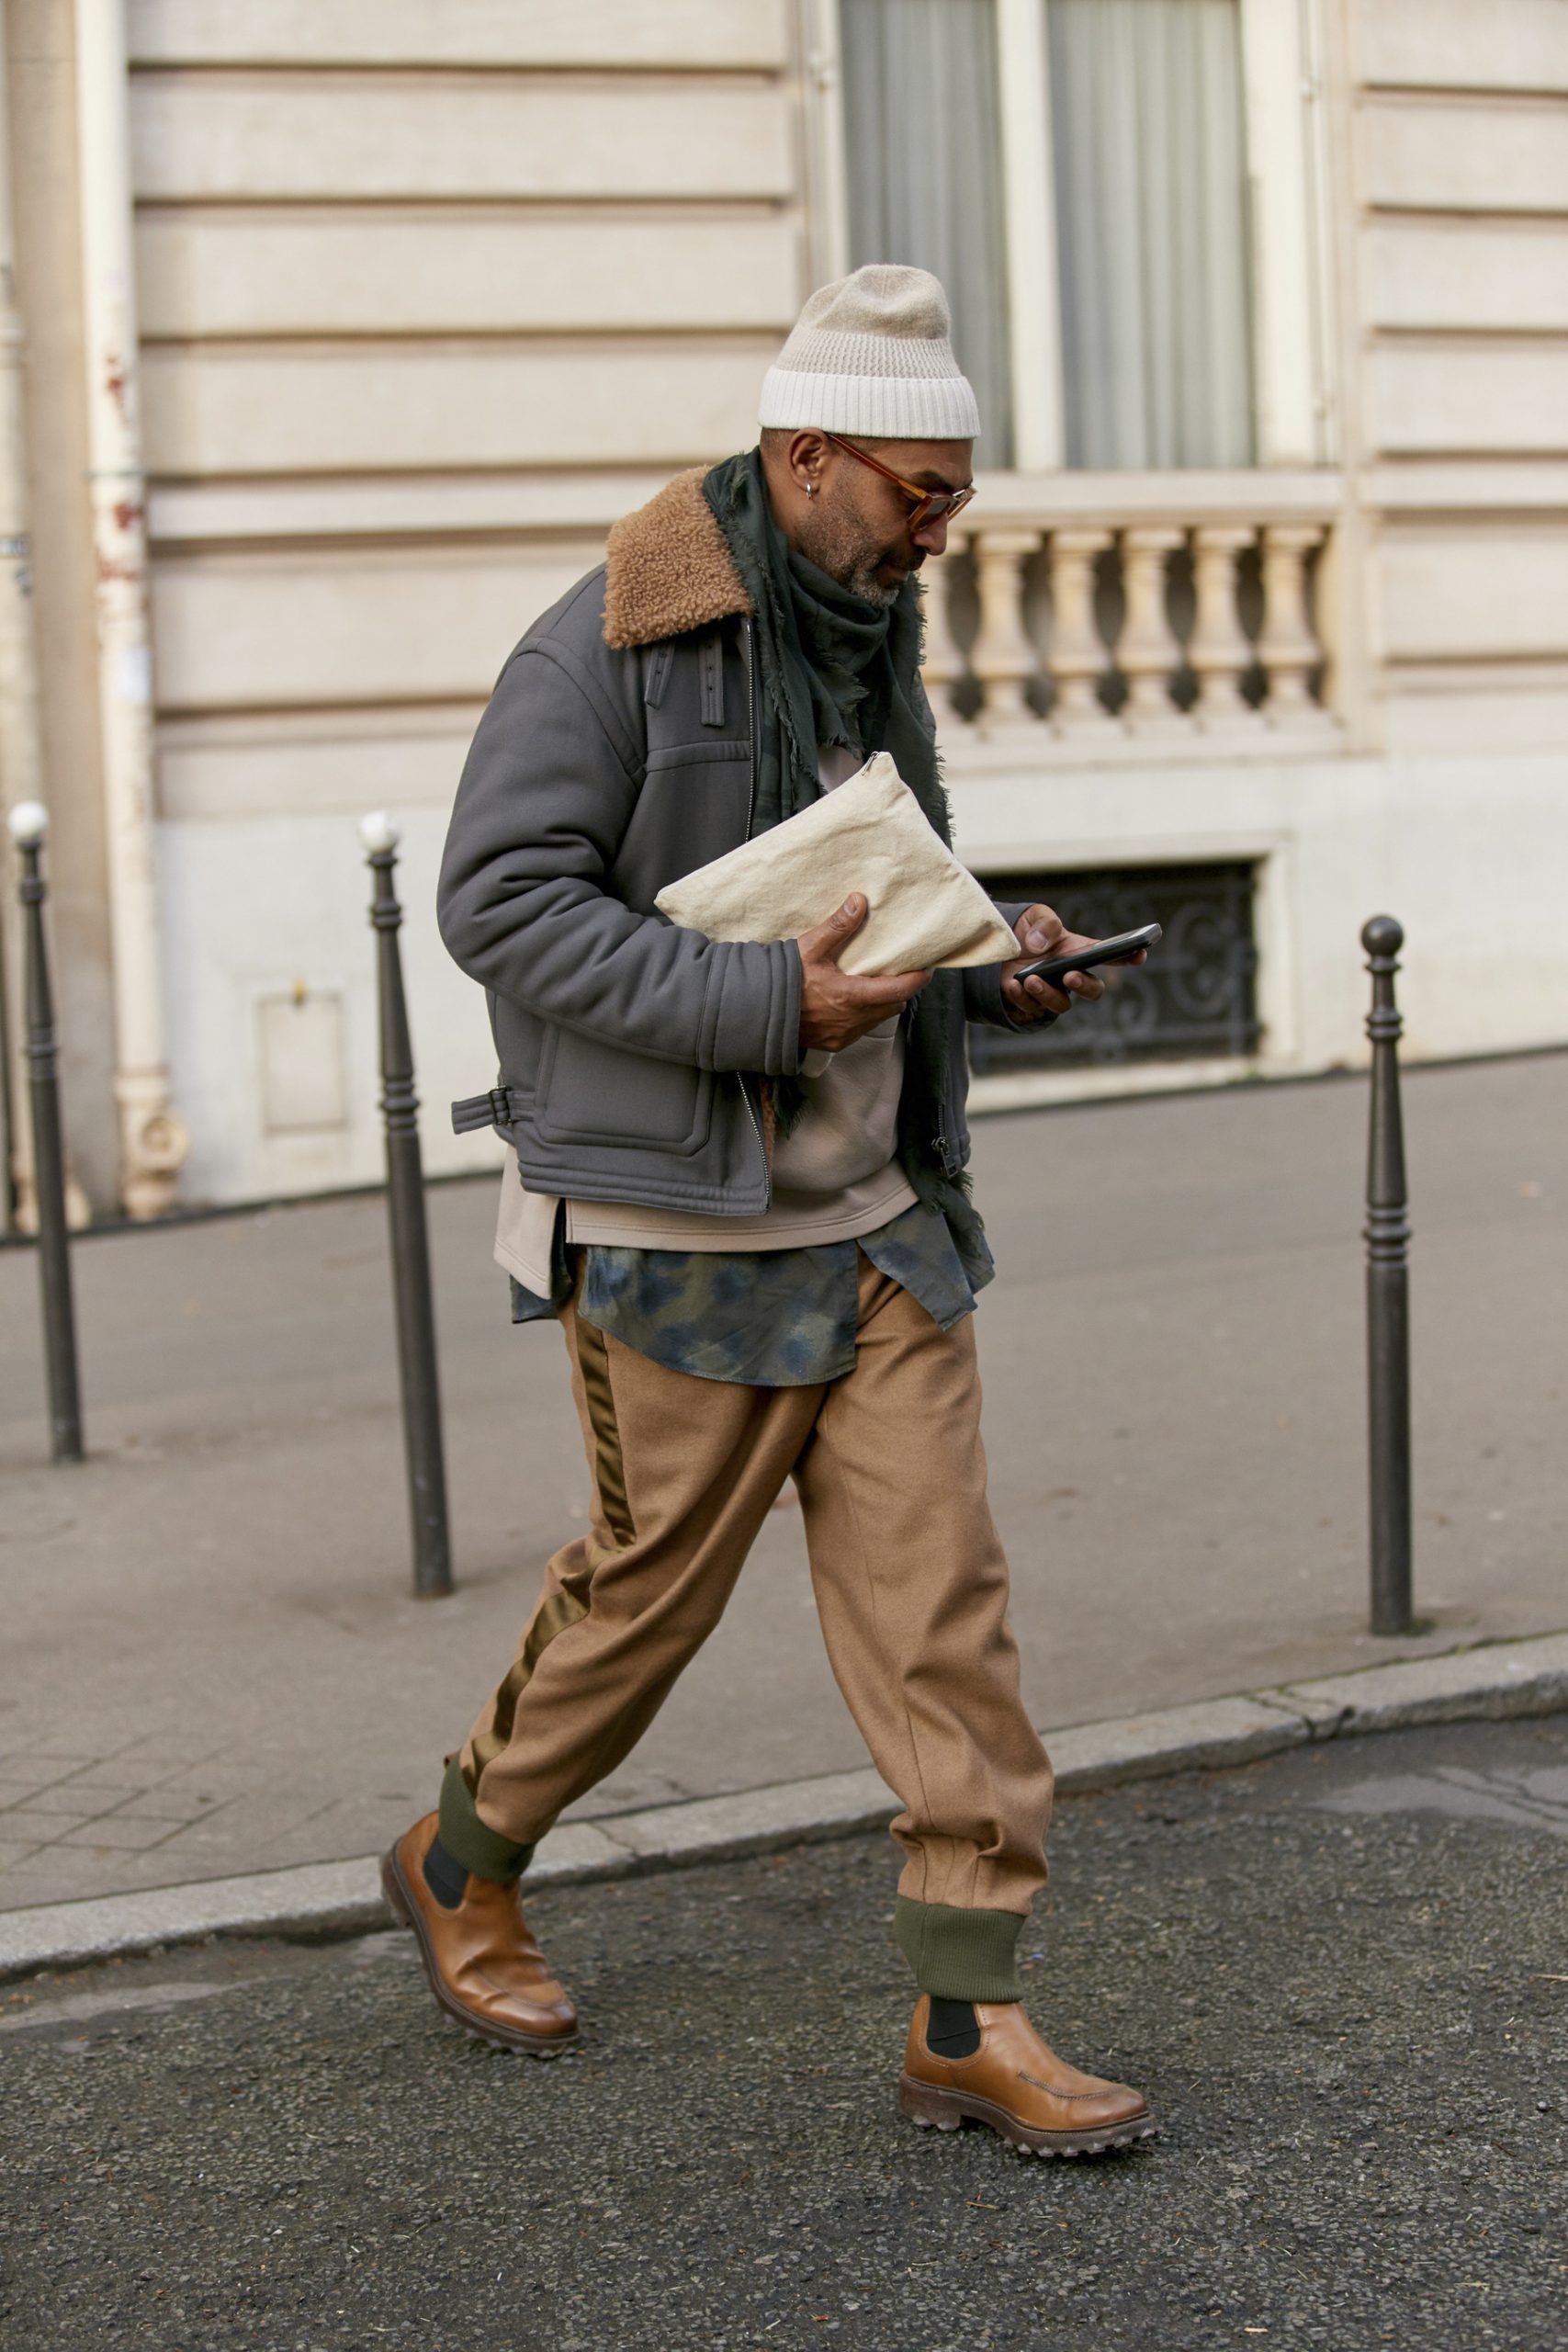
pixel 211 1665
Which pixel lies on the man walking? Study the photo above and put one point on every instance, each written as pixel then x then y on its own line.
pixel 739 1186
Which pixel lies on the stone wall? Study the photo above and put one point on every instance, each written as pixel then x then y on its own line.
pixel 432 290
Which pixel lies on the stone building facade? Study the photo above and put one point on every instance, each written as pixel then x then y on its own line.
pixel 340 330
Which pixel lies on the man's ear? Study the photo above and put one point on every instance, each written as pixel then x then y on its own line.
pixel 809 453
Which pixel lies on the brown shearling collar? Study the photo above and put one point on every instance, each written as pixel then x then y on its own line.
pixel 667 568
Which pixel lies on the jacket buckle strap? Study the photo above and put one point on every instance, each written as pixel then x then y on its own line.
pixel 477 1110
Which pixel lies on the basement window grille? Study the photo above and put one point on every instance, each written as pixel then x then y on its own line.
pixel 1194 998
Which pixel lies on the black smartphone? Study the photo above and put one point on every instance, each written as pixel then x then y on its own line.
pixel 1054 969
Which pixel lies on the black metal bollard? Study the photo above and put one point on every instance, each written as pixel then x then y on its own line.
pixel 28 827
pixel 1388 1303
pixel 410 1240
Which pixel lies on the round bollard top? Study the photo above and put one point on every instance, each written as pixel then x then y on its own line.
pixel 378 832
pixel 27 823
pixel 1383 936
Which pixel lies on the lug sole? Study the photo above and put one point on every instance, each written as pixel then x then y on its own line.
pixel 404 1908
pixel 945 2111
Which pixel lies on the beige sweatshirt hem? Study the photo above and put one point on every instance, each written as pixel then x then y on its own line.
pixel 525 1224
pixel 788 1225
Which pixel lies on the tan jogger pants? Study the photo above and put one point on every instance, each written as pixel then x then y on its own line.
pixel 910 1580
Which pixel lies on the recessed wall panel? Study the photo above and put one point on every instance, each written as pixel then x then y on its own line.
pixel 248 137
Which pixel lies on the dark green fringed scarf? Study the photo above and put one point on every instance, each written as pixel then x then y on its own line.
pixel 835 670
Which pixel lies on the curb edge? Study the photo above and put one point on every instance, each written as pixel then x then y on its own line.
pixel 320 1900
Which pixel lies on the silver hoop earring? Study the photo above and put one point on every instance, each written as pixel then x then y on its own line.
pixel 811 490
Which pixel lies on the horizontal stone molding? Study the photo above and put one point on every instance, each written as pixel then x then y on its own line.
pixel 1475 155
pixel 415 505
pixel 250 410
pixel 1457 44
pixel 1475 593
pixel 1508 276
pixel 339 271
pixel 591 497
pixel 280 629
pixel 325 134
pixel 1470 396
pixel 612 33
pixel 1186 496
pixel 297 764
pixel 1428 715
pixel 1452 486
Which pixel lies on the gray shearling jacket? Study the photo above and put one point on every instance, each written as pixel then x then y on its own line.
pixel 617 754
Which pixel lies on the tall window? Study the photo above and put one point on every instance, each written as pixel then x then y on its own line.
pixel 1118 127
pixel 924 170
pixel 1151 232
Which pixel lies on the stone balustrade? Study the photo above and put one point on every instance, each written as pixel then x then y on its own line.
pixel 1118 609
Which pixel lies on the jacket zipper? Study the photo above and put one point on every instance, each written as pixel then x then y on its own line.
pixel 751 1111
pixel 747 633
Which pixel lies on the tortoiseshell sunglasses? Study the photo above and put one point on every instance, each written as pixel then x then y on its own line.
pixel 927 505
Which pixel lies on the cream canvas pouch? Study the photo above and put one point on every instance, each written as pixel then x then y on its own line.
pixel 869 835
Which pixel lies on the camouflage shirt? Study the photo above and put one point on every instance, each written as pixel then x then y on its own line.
pixel 768 1319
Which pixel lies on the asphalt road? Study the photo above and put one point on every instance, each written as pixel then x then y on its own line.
pixel 1342 1975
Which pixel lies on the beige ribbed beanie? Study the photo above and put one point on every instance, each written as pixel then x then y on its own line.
pixel 870 354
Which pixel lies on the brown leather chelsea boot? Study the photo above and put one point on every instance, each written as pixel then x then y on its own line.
pixel 484 1967
pixel 1012 2081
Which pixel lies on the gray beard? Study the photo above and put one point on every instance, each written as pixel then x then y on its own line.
pixel 863 583
pixel 823 544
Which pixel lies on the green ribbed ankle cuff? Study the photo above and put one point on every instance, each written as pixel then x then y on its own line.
pixel 467 1840
pixel 960 1955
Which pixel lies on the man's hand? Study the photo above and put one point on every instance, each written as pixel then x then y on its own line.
pixel 834 1007
pixel 1041 932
